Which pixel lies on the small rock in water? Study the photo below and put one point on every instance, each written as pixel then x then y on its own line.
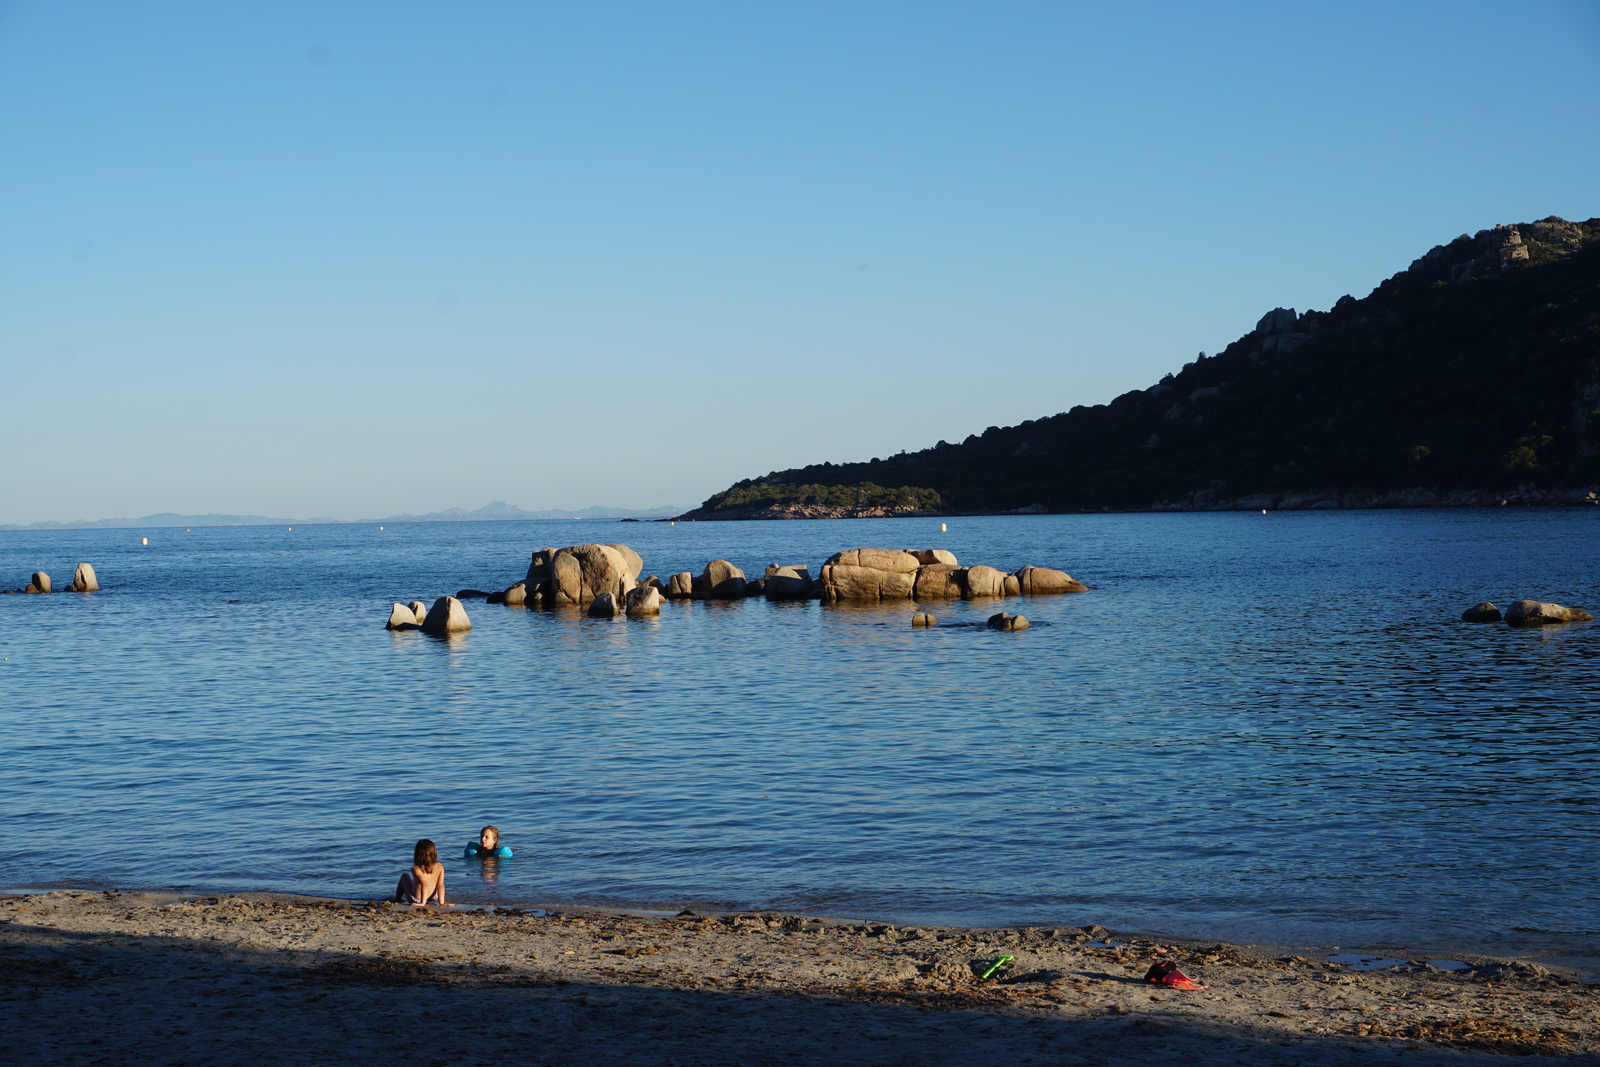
pixel 643 600
pixel 420 610
pixel 516 594
pixel 84 580
pixel 922 618
pixel 471 594
pixel 604 606
pixel 447 616
pixel 402 617
pixel 40 583
pixel 1539 613
pixel 1006 621
pixel 1483 612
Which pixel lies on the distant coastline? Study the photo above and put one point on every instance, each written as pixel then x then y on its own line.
pixel 497 511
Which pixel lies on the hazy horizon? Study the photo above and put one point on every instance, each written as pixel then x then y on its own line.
pixel 364 259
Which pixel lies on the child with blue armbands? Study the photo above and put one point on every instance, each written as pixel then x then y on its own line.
pixel 488 845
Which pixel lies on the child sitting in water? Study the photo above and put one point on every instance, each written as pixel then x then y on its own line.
pixel 487 845
pixel 424 882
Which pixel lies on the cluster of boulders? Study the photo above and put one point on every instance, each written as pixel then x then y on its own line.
pixel 1525 613
pixel 930 574
pixel 605 579
pixel 83 581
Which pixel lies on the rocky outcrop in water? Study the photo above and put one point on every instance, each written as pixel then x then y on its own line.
pixel 1481 612
pixel 39 583
pixel 643 600
pixel 1539 613
pixel 930 574
pixel 1004 621
pixel 447 616
pixel 84 579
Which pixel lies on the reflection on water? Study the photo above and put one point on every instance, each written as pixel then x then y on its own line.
pixel 1261 728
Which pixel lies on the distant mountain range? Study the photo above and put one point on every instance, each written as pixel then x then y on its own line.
pixel 498 510
pixel 1472 377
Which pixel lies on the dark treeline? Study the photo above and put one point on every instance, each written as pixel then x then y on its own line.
pixel 1476 368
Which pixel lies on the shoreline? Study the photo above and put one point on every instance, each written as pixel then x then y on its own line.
pixel 1583 966
pixel 108 976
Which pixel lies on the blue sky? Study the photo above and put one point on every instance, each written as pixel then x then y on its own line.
pixel 355 259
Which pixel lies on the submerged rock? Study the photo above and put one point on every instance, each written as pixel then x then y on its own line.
pixel 1483 612
pixel 447 616
pixel 1003 621
pixel 1539 613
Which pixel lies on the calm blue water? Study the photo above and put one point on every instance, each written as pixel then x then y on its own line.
pixel 1263 728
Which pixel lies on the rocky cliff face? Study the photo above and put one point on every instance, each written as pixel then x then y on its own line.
pixel 1470 377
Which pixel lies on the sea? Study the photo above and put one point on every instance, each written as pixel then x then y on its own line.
pixel 1261 728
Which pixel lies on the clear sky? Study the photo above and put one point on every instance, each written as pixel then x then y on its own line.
pixel 354 259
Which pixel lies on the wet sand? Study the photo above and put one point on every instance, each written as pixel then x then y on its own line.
pixel 107 978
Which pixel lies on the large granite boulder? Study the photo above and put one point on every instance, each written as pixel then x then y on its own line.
pixel 721 580
pixel 787 583
pixel 1037 580
pixel 447 616
pixel 1482 612
pixel 1004 621
pixel 84 580
pixel 634 561
pixel 985 581
pixel 579 573
pixel 842 581
pixel 878 559
pixel 605 606
pixel 643 600
pixel 940 581
pixel 401 617
pixel 40 582
pixel 1539 613
pixel 927 556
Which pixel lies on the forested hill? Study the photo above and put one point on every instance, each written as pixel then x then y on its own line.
pixel 1469 377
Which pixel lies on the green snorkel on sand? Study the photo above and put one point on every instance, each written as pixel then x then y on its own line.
pixel 999 963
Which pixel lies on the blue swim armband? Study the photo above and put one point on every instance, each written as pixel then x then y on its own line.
pixel 475 850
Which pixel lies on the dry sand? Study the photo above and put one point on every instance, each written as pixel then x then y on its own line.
pixel 91 978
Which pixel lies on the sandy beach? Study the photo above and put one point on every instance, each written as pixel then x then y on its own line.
pixel 109 978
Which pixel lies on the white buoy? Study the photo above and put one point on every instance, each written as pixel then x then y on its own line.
pixel 144 540
pixel 943 528
pixel 1263 511
pixel 291 529
pixel 380 527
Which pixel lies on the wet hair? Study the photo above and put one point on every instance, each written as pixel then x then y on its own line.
pixel 483 836
pixel 425 855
